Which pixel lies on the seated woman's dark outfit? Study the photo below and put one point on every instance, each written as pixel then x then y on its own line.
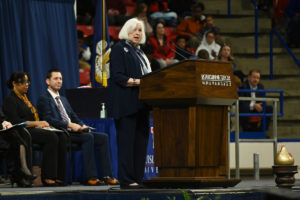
pixel 10 142
pixel 54 145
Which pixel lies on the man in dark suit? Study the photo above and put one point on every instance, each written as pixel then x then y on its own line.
pixel 58 112
pixel 253 123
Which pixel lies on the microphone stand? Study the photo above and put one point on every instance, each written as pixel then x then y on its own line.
pixel 176 51
pixel 187 52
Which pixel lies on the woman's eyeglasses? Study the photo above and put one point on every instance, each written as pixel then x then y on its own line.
pixel 24 82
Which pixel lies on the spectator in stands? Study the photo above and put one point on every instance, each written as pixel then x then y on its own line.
pixel 292 16
pixel 253 123
pixel 208 43
pixel 17 145
pixel 191 26
pixel 84 59
pixel 17 108
pixel 140 12
pixel 116 12
pixel 265 5
pixel 181 7
pixel 209 25
pixel 128 64
pixel 149 50
pixel 163 49
pixel 279 7
pixel 159 11
pixel 226 55
pixel 83 49
pixel 203 54
pixel 85 12
pixel 181 51
pixel 57 111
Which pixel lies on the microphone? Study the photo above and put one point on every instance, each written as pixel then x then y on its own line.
pixel 175 50
pixel 185 51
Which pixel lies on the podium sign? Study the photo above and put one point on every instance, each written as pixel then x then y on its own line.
pixel 190 102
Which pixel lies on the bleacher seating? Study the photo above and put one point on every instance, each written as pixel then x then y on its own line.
pixel 113 31
pixel 84 76
pixel 86 29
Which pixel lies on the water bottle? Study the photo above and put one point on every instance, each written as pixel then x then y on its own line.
pixel 103 111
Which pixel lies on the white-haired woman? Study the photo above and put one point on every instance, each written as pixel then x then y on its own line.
pixel 128 64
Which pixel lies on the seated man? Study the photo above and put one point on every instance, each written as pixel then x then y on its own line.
pixel 191 26
pixel 58 112
pixel 253 123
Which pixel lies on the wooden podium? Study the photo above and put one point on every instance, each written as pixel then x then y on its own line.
pixel 190 101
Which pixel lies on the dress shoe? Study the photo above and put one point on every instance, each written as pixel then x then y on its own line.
pixel 131 186
pixel 60 183
pixel 33 176
pixel 93 182
pixel 110 181
pixel 30 176
pixel 20 181
pixel 49 183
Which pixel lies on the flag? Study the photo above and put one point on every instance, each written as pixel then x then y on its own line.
pixel 101 47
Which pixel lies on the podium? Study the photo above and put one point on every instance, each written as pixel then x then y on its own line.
pixel 190 109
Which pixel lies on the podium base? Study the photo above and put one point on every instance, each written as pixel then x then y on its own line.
pixel 190 182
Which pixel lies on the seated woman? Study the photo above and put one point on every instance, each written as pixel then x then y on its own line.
pixel 17 144
pixel 140 12
pixel 17 109
pixel 164 52
pixel 208 43
pixel 159 10
pixel 226 55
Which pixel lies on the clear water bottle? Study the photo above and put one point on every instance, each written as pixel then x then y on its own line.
pixel 103 111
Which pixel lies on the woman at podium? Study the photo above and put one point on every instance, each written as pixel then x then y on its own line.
pixel 128 64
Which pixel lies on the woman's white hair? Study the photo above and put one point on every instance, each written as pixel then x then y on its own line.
pixel 129 27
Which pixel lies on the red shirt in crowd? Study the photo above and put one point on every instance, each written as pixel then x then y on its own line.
pixel 164 51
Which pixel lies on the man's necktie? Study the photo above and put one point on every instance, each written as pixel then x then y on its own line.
pixel 62 112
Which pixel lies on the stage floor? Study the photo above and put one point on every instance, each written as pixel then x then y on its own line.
pixel 245 186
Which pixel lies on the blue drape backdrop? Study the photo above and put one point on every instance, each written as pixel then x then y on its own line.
pixel 36 35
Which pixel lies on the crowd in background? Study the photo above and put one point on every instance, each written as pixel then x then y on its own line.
pixel 186 20
pixel 181 30
pixel 193 35
pixel 174 32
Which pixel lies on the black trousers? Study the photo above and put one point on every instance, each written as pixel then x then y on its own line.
pixel 247 126
pixel 132 139
pixel 14 139
pixel 54 148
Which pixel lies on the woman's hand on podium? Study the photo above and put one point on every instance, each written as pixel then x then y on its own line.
pixel 133 82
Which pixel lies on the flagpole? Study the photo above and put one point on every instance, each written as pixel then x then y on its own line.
pixel 104 72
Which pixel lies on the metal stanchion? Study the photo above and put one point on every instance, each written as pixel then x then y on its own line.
pixel 228 141
pixel 237 131
pixel 256 166
pixel 237 141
